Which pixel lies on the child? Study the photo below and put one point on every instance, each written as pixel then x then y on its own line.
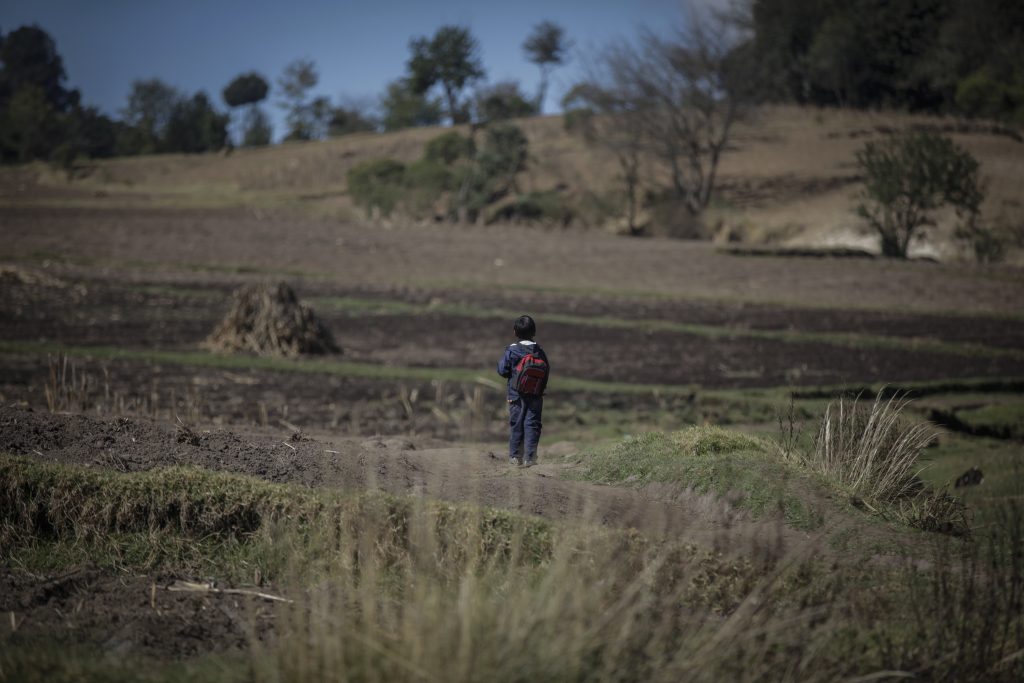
pixel 526 367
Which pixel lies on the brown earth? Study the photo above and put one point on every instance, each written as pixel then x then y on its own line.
pixel 470 473
pixel 117 614
pixel 121 614
pixel 103 254
pixel 113 316
pixel 353 255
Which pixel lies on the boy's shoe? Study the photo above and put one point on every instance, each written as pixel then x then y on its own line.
pixel 513 461
pixel 529 463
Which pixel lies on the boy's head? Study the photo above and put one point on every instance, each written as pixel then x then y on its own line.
pixel 525 328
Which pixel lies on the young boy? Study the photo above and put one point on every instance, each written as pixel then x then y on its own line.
pixel 526 367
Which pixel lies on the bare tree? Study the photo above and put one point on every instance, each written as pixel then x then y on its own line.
pixel 683 94
pixel 615 128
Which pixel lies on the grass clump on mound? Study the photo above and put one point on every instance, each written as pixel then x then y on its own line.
pixel 268 319
pixel 873 454
pixel 709 459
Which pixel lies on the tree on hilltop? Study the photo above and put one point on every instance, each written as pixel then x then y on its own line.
pixel 502 101
pixel 29 57
pixel 402 107
pixel 37 112
pixel 248 90
pixel 674 99
pixel 907 177
pixel 547 47
pixel 151 104
pixel 306 118
pixel 451 59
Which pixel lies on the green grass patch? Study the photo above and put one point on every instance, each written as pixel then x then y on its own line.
pixel 1001 420
pixel 1001 461
pixel 324 366
pixel 224 525
pixel 711 459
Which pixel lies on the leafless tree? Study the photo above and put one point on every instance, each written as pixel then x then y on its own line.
pixel 602 117
pixel 680 96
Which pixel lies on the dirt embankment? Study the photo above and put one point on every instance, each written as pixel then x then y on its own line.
pixel 130 614
pixel 474 474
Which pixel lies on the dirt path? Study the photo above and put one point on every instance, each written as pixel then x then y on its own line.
pixel 475 474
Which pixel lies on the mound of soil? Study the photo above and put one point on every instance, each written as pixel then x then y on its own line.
pixel 269 320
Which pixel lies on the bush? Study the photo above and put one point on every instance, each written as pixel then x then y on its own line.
pixel 503 101
pixel 377 184
pixel 908 176
pixel 425 181
pixel 549 208
pixel 503 156
pixel 989 239
pixel 449 148
pixel 984 94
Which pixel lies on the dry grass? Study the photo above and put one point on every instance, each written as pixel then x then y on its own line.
pixel 390 589
pixel 873 453
pixel 267 319
pixel 789 175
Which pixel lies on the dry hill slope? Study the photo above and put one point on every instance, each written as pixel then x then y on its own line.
pixel 789 175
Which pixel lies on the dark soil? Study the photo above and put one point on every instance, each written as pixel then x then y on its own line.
pixel 100 314
pixel 119 614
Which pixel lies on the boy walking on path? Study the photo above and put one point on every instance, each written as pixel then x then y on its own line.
pixel 526 367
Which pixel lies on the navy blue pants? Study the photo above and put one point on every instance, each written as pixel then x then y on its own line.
pixel 524 422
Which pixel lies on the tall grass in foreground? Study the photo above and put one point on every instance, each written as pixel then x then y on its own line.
pixel 401 589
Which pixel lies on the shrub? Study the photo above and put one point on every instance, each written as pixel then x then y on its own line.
pixel 989 239
pixel 448 148
pixel 984 243
pixel 425 180
pixel 503 101
pixel 908 176
pixel 983 93
pixel 535 207
pixel 377 184
pixel 504 155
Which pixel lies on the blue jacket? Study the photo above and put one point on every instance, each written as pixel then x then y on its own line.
pixel 513 354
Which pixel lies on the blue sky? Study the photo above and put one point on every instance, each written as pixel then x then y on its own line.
pixel 358 47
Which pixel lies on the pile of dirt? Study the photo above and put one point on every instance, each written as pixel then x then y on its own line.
pixel 269 320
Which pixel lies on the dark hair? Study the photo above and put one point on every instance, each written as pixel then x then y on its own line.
pixel 525 328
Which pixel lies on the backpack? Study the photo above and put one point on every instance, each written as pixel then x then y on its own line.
pixel 530 375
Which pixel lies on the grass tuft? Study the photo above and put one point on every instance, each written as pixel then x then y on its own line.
pixel 873 453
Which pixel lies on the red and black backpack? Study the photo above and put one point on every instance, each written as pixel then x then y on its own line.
pixel 531 375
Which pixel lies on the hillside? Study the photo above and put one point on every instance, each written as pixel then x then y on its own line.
pixel 789 177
